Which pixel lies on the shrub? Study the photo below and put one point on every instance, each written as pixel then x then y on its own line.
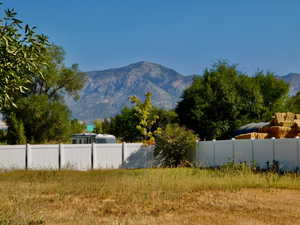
pixel 175 146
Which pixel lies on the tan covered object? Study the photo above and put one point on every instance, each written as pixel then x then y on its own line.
pixel 253 135
pixel 283 125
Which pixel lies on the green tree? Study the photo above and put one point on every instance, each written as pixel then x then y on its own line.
pixel 224 99
pixel 106 126
pixel 98 126
pixel 146 119
pixel 165 117
pixel 293 103
pixel 43 120
pixel 124 126
pixel 20 51
pixel 58 79
pixel 274 92
pixel 16 132
pixel 175 146
pixel 77 126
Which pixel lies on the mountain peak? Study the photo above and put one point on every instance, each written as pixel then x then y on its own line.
pixel 144 63
pixel 106 92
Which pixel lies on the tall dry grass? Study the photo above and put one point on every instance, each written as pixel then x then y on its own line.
pixel 149 196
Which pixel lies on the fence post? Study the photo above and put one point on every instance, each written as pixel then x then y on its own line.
pixel 214 151
pixel 27 155
pixel 195 155
pixel 233 150
pixel 92 155
pixel 274 139
pixel 123 150
pixel 298 162
pixel 59 156
pixel 252 151
pixel 152 155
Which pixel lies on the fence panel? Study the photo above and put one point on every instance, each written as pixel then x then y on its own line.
pixel 204 153
pixel 76 156
pixel 286 153
pixel 131 148
pixel 223 152
pixel 243 151
pixel 136 155
pixel 12 157
pixel 43 157
pixel 263 152
pixel 107 156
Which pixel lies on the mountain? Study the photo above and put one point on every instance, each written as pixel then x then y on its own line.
pixel 106 92
pixel 294 80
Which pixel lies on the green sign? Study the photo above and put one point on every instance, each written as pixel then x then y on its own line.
pixel 90 128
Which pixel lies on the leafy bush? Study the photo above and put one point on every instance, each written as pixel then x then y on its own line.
pixel 175 146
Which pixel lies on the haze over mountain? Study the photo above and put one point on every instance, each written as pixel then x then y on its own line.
pixel 106 92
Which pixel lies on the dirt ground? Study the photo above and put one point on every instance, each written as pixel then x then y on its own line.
pixel 79 202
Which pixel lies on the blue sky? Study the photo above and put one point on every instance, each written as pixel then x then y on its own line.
pixel 187 36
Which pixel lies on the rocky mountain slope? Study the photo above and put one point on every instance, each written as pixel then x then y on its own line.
pixel 294 80
pixel 106 92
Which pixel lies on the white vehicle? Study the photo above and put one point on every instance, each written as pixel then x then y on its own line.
pixel 105 138
pixel 88 138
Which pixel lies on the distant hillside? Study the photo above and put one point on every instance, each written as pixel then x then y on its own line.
pixel 294 80
pixel 106 92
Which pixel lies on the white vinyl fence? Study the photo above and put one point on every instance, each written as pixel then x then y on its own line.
pixel 257 151
pixel 135 155
pixel 76 156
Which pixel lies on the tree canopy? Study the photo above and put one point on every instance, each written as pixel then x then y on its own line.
pixel 224 99
pixel 124 126
pixel 43 120
pixel 293 103
pixel 274 92
pixel 146 117
pixel 57 79
pixel 41 108
pixel 34 81
pixel 20 51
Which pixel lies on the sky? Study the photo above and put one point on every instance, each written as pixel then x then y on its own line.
pixel 187 36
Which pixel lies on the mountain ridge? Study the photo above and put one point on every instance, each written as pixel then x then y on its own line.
pixel 106 92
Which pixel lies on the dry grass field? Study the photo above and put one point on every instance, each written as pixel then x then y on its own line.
pixel 151 196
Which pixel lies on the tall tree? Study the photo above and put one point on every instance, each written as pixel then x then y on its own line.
pixel 224 99
pixel 57 78
pixel 77 126
pixel 124 126
pixel 293 103
pixel 48 91
pixel 20 51
pixel 16 132
pixel 43 120
pixel 146 119
pixel 274 92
